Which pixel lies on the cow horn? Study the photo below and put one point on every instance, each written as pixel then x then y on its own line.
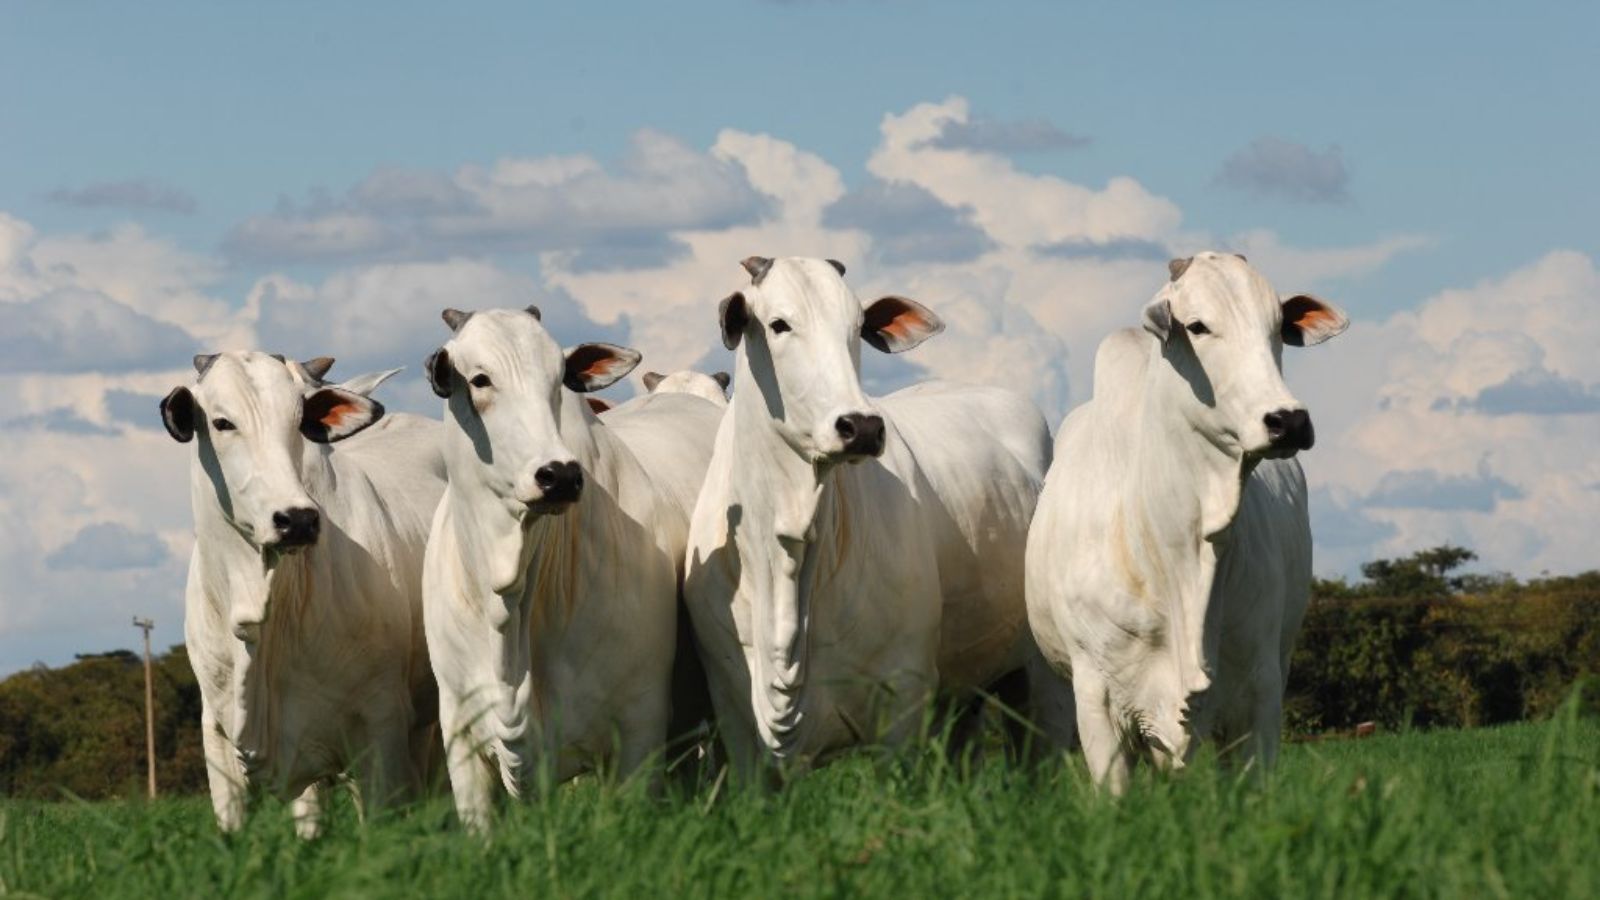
pixel 318 368
pixel 1179 266
pixel 455 318
pixel 837 265
pixel 534 311
pixel 202 362
pixel 757 266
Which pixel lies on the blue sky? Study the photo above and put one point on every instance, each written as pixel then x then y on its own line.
pixel 1430 168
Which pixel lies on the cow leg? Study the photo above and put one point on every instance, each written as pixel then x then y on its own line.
pixel 641 738
pixel 306 811
pixel 1050 702
pixel 224 775
pixel 1267 724
pixel 1103 749
pixel 472 778
pixel 388 776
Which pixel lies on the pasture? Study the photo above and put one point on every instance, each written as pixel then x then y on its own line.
pixel 1506 811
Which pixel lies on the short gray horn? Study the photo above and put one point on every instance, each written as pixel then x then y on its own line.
pixel 318 368
pixel 534 311
pixel 455 318
pixel 757 266
pixel 1179 266
pixel 203 361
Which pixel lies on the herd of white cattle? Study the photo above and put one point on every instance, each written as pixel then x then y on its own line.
pixel 542 584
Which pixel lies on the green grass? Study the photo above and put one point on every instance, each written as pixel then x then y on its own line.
pixel 1511 811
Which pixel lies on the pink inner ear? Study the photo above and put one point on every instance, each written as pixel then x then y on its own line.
pixel 335 416
pixel 1316 318
pixel 907 320
pixel 601 366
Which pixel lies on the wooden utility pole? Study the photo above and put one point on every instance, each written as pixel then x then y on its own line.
pixel 149 706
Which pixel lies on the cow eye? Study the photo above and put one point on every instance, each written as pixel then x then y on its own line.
pixel 1197 327
pixel 222 425
pixel 779 326
pixel 481 380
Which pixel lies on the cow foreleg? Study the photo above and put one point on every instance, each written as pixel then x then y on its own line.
pixel 1050 705
pixel 307 812
pixel 1103 748
pixel 224 775
pixel 388 777
pixel 1267 724
pixel 472 778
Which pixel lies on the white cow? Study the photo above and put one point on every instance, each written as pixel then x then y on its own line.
pixel 1170 560
pixel 831 600
pixel 304 603
pixel 712 387
pixel 551 578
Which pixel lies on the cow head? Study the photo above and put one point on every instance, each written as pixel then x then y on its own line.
pixel 252 414
pixel 1223 327
pixel 503 374
pixel 801 328
pixel 712 387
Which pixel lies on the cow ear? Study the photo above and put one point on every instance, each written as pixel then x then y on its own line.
pixel 734 318
pixel 598 405
pixel 651 379
pixel 896 324
pixel 332 414
pixel 366 384
pixel 1308 321
pixel 591 367
pixel 1158 318
pixel 177 413
pixel 437 368
pixel 722 378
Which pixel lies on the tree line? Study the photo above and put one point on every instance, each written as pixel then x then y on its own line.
pixel 1414 642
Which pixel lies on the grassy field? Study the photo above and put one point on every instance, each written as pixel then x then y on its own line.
pixel 1512 811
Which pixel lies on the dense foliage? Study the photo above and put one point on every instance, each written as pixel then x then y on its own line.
pixel 1415 644
pixel 80 728
pixel 1412 643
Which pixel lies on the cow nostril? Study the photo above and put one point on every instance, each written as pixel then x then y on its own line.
pixel 845 427
pixel 1274 421
pixel 545 476
pixel 280 520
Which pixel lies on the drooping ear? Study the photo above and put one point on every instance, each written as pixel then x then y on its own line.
pixel 591 367
pixel 438 369
pixel 331 414
pixel 1308 321
pixel 534 311
pixel 455 318
pixel 896 324
pixel 598 405
pixel 651 379
pixel 177 413
pixel 838 266
pixel 318 368
pixel 1158 318
pixel 734 318
pixel 722 378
